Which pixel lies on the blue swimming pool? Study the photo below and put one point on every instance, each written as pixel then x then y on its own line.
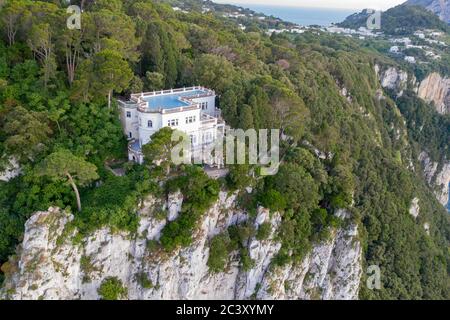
pixel 170 101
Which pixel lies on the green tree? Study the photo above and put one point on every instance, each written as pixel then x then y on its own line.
pixel 238 176
pixel 62 165
pixel 27 133
pixel 154 81
pixel 246 118
pixel 136 85
pixel 213 71
pixel 107 28
pixel 82 86
pixel 69 44
pixel 273 200
pixel 11 15
pixel 290 112
pixel 112 73
pixel 40 41
pixel 294 183
pixel 161 52
pixel 113 5
pixel 229 106
pixel 159 149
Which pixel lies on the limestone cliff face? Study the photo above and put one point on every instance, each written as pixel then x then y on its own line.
pixel 393 79
pixel 437 176
pixel 48 268
pixel 332 270
pixel 433 89
pixel 436 89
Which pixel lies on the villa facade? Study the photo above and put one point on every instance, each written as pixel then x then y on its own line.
pixel 190 110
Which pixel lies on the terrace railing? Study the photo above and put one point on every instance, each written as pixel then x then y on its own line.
pixel 171 91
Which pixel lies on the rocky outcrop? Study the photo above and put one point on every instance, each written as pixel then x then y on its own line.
pixel 49 266
pixel 437 176
pixel 414 210
pixel 440 8
pixel 12 171
pixel 436 89
pixel 433 89
pixel 393 79
pixel 331 271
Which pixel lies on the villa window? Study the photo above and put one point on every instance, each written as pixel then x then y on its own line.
pixel 150 124
pixel 191 119
pixel 130 134
pixel 207 137
pixel 172 123
pixel 128 114
pixel 204 105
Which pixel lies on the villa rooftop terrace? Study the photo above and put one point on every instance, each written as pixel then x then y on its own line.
pixel 173 100
pixel 169 99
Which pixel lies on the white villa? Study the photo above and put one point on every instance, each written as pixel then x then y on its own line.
pixel 190 110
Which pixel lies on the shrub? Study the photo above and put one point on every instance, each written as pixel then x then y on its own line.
pixel 199 193
pixel 294 233
pixel 273 200
pixel 8 268
pixel 113 204
pixel 264 231
pixel 218 253
pixel 87 267
pixel 238 177
pixel 152 245
pixel 143 280
pixel 160 214
pixel 112 289
pixel 240 234
pixel 246 261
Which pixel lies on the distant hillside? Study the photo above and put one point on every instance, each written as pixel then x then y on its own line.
pixel 403 19
pixel 241 15
pixel 439 7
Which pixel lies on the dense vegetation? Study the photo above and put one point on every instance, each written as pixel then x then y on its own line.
pixel 400 20
pixel 426 128
pixel 199 193
pixel 56 93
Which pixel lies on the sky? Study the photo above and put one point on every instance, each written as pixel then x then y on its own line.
pixel 341 4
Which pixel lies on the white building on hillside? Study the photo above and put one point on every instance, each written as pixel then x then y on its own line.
pixel 410 59
pixel 394 49
pixel 190 110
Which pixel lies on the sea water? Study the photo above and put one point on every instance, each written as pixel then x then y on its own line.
pixel 302 16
